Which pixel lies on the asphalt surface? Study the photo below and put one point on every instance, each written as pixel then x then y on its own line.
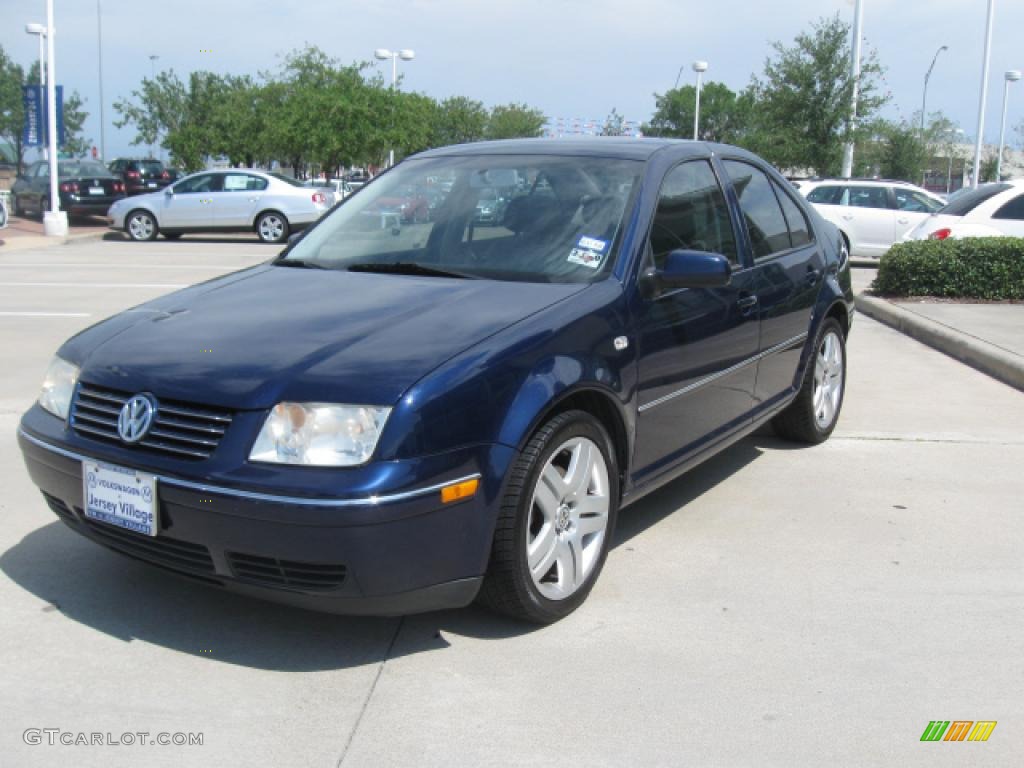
pixel 778 606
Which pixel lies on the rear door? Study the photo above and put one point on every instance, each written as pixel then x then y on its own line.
pixel 912 207
pixel 235 205
pixel 789 268
pixel 1009 219
pixel 870 218
pixel 697 347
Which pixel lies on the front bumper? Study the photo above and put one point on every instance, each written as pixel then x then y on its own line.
pixel 383 555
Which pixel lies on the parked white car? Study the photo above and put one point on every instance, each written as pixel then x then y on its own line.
pixel 236 200
pixel 871 214
pixel 991 210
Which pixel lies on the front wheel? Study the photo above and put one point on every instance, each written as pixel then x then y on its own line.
pixel 272 227
pixel 141 226
pixel 556 521
pixel 812 416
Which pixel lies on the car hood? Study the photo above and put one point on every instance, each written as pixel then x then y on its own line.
pixel 254 338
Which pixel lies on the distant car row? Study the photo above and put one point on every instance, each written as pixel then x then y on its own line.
pixel 873 214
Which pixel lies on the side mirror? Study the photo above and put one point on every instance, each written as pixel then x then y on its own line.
pixel 692 269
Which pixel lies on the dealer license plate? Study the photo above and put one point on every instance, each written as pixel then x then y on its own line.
pixel 152 185
pixel 119 496
pixel 96 190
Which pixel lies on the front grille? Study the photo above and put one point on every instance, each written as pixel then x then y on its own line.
pixel 294 574
pixel 60 509
pixel 179 429
pixel 162 550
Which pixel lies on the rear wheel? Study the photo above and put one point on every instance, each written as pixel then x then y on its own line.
pixel 272 227
pixel 812 416
pixel 141 226
pixel 556 521
pixel 16 204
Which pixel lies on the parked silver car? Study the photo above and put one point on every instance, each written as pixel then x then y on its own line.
pixel 236 200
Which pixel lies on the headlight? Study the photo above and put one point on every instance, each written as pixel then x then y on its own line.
pixel 58 387
pixel 319 434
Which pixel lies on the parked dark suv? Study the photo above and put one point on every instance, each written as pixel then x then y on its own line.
pixel 140 176
pixel 384 421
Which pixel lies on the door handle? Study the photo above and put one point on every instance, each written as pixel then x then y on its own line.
pixel 903 221
pixel 746 303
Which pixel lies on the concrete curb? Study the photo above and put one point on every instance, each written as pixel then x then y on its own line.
pixel 869 263
pixel 33 242
pixel 987 358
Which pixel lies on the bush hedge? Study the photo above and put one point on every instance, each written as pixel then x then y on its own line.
pixel 972 268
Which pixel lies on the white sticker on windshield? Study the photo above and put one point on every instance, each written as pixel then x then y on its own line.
pixel 585 258
pixel 592 244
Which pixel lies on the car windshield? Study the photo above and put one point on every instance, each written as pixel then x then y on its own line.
pixel 557 219
pixel 968 201
pixel 82 168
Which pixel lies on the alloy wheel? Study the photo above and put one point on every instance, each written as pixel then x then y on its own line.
pixel 271 228
pixel 568 518
pixel 828 380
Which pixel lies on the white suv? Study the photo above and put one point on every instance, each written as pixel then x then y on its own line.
pixel 871 214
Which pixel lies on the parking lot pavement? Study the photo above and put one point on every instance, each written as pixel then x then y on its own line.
pixel 779 606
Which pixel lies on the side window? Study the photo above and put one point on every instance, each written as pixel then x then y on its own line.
pixel 205 182
pixel 692 214
pixel 1011 210
pixel 915 202
pixel 43 169
pixel 799 228
pixel 243 182
pixel 825 195
pixel 769 232
pixel 868 197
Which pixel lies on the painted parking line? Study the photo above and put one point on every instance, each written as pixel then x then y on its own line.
pixel 45 314
pixel 94 285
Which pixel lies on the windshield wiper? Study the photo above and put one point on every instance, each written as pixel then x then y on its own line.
pixel 406 268
pixel 299 264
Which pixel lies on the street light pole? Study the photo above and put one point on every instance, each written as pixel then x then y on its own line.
pixel 984 93
pixel 927 76
pixel 152 76
pixel 1011 76
pixel 99 58
pixel 405 55
pixel 55 221
pixel 700 67
pixel 40 31
pixel 858 22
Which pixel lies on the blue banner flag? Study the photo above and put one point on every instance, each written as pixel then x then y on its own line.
pixel 34 134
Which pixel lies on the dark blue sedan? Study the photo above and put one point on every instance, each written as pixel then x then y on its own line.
pixel 397 416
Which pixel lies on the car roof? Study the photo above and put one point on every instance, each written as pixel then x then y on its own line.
pixel 596 146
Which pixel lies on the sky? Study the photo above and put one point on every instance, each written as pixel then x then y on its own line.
pixel 569 58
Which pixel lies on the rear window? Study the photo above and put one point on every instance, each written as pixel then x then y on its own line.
pixel 288 179
pixel 82 168
pixel 825 195
pixel 968 201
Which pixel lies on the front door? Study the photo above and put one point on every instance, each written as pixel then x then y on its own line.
pixel 190 205
pixel 697 346
pixel 870 219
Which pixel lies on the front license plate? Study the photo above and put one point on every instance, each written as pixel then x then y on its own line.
pixel 95 190
pixel 119 496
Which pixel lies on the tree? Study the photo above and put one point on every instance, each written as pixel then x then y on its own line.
pixel 12 108
pixel 724 115
pixel 614 124
pixel 803 99
pixel 512 121
pixel 459 120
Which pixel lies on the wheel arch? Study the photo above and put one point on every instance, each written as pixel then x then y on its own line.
pixel 265 211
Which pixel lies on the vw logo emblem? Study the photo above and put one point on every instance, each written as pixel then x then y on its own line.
pixel 136 418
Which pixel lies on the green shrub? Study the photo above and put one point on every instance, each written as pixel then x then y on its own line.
pixel 973 268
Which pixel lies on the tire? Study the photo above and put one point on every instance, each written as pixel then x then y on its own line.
pixel 272 227
pixel 172 235
pixel 16 205
pixel 812 416
pixel 141 226
pixel 565 516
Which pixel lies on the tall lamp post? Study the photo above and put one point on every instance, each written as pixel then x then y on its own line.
pixel 99 60
pixel 55 221
pixel 858 22
pixel 152 76
pixel 927 77
pixel 957 133
pixel 40 31
pixel 1011 76
pixel 700 67
pixel 984 93
pixel 405 55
